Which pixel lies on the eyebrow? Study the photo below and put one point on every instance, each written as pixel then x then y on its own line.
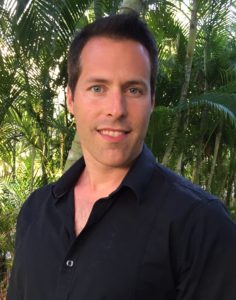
pixel 136 82
pixel 126 83
pixel 96 79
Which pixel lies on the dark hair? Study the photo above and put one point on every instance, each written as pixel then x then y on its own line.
pixel 122 26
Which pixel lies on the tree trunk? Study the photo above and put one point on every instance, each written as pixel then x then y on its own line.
pixel 3 268
pixel 204 115
pixel 215 155
pixel 231 184
pixel 33 156
pixel 190 50
pixel 75 152
pixel 230 188
pixel 205 66
pixel 179 163
pixel 14 157
pixel 131 5
pixel 185 86
pixel 200 147
pixel 44 164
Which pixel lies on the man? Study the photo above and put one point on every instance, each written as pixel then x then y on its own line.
pixel 117 225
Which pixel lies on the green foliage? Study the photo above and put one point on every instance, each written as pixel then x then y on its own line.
pixel 105 7
pixel 36 129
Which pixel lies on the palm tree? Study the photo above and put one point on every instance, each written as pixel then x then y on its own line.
pixel 34 123
pixel 43 49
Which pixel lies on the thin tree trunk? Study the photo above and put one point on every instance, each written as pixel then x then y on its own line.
pixel 205 66
pixel 63 137
pixel 215 155
pixel 62 150
pixel 14 157
pixel 33 155
pixel 74 154
pixel 129 5
pixel 44 163
pixel 200 147
pixel 179 163
pixel 231 186
pixel 190 50
pixel 203 124
pixel 185 86
pixel 3 267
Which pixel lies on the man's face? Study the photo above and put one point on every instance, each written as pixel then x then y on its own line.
pixel 112 101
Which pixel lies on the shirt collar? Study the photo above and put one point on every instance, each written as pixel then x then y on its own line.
pixel 136 179
pixel 68 180
pixel 140 173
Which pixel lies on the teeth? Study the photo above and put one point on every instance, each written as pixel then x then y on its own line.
pixel 112 133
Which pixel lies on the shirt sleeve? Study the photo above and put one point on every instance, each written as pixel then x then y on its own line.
pixel 205 243
pixel 15 288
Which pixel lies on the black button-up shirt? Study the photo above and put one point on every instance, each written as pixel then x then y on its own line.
pixel 156 237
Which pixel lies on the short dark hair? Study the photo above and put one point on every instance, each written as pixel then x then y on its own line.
pixel 126 26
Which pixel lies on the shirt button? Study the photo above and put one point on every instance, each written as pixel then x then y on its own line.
pixel 69 263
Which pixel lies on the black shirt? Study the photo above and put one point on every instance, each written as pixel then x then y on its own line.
pixel 156 237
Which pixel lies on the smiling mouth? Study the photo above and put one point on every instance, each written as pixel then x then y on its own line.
pixel 112 133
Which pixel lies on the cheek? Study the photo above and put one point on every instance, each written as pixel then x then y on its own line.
pixel 142 115
pixel 84 121
pixel 145 123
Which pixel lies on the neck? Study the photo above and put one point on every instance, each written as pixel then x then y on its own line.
pixel 99 180
pixel 103 178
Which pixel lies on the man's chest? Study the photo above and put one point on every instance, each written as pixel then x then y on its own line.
pixel 115 257
pixel 83 210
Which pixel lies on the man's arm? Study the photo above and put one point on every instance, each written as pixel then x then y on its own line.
pixel 25 217
pixel 206 247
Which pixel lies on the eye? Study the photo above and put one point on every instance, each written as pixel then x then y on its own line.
pixel 97 89
pixel 135 91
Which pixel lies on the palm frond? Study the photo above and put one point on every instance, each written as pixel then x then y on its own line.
pixel 222 103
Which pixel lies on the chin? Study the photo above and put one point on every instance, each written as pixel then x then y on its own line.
pixel 115 162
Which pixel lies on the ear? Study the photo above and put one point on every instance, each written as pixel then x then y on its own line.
pixel 69 100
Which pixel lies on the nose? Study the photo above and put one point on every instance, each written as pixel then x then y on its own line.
pixel 116 106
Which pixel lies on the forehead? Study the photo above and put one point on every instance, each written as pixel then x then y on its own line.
pixel 106 40
pixel 104 51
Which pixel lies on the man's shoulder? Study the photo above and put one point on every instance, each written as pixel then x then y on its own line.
pixel 40 194
pixel 180 195
pixel 33 208
pixel 167 189
pixel 56 189
pixel 38 199
pixel 181 185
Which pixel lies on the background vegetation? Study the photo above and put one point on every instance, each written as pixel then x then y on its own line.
pixel 193 127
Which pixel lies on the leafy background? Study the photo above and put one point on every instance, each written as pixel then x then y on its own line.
pixel 193 126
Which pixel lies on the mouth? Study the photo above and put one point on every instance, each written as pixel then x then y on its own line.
pixel 113 135
pixel 113 132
